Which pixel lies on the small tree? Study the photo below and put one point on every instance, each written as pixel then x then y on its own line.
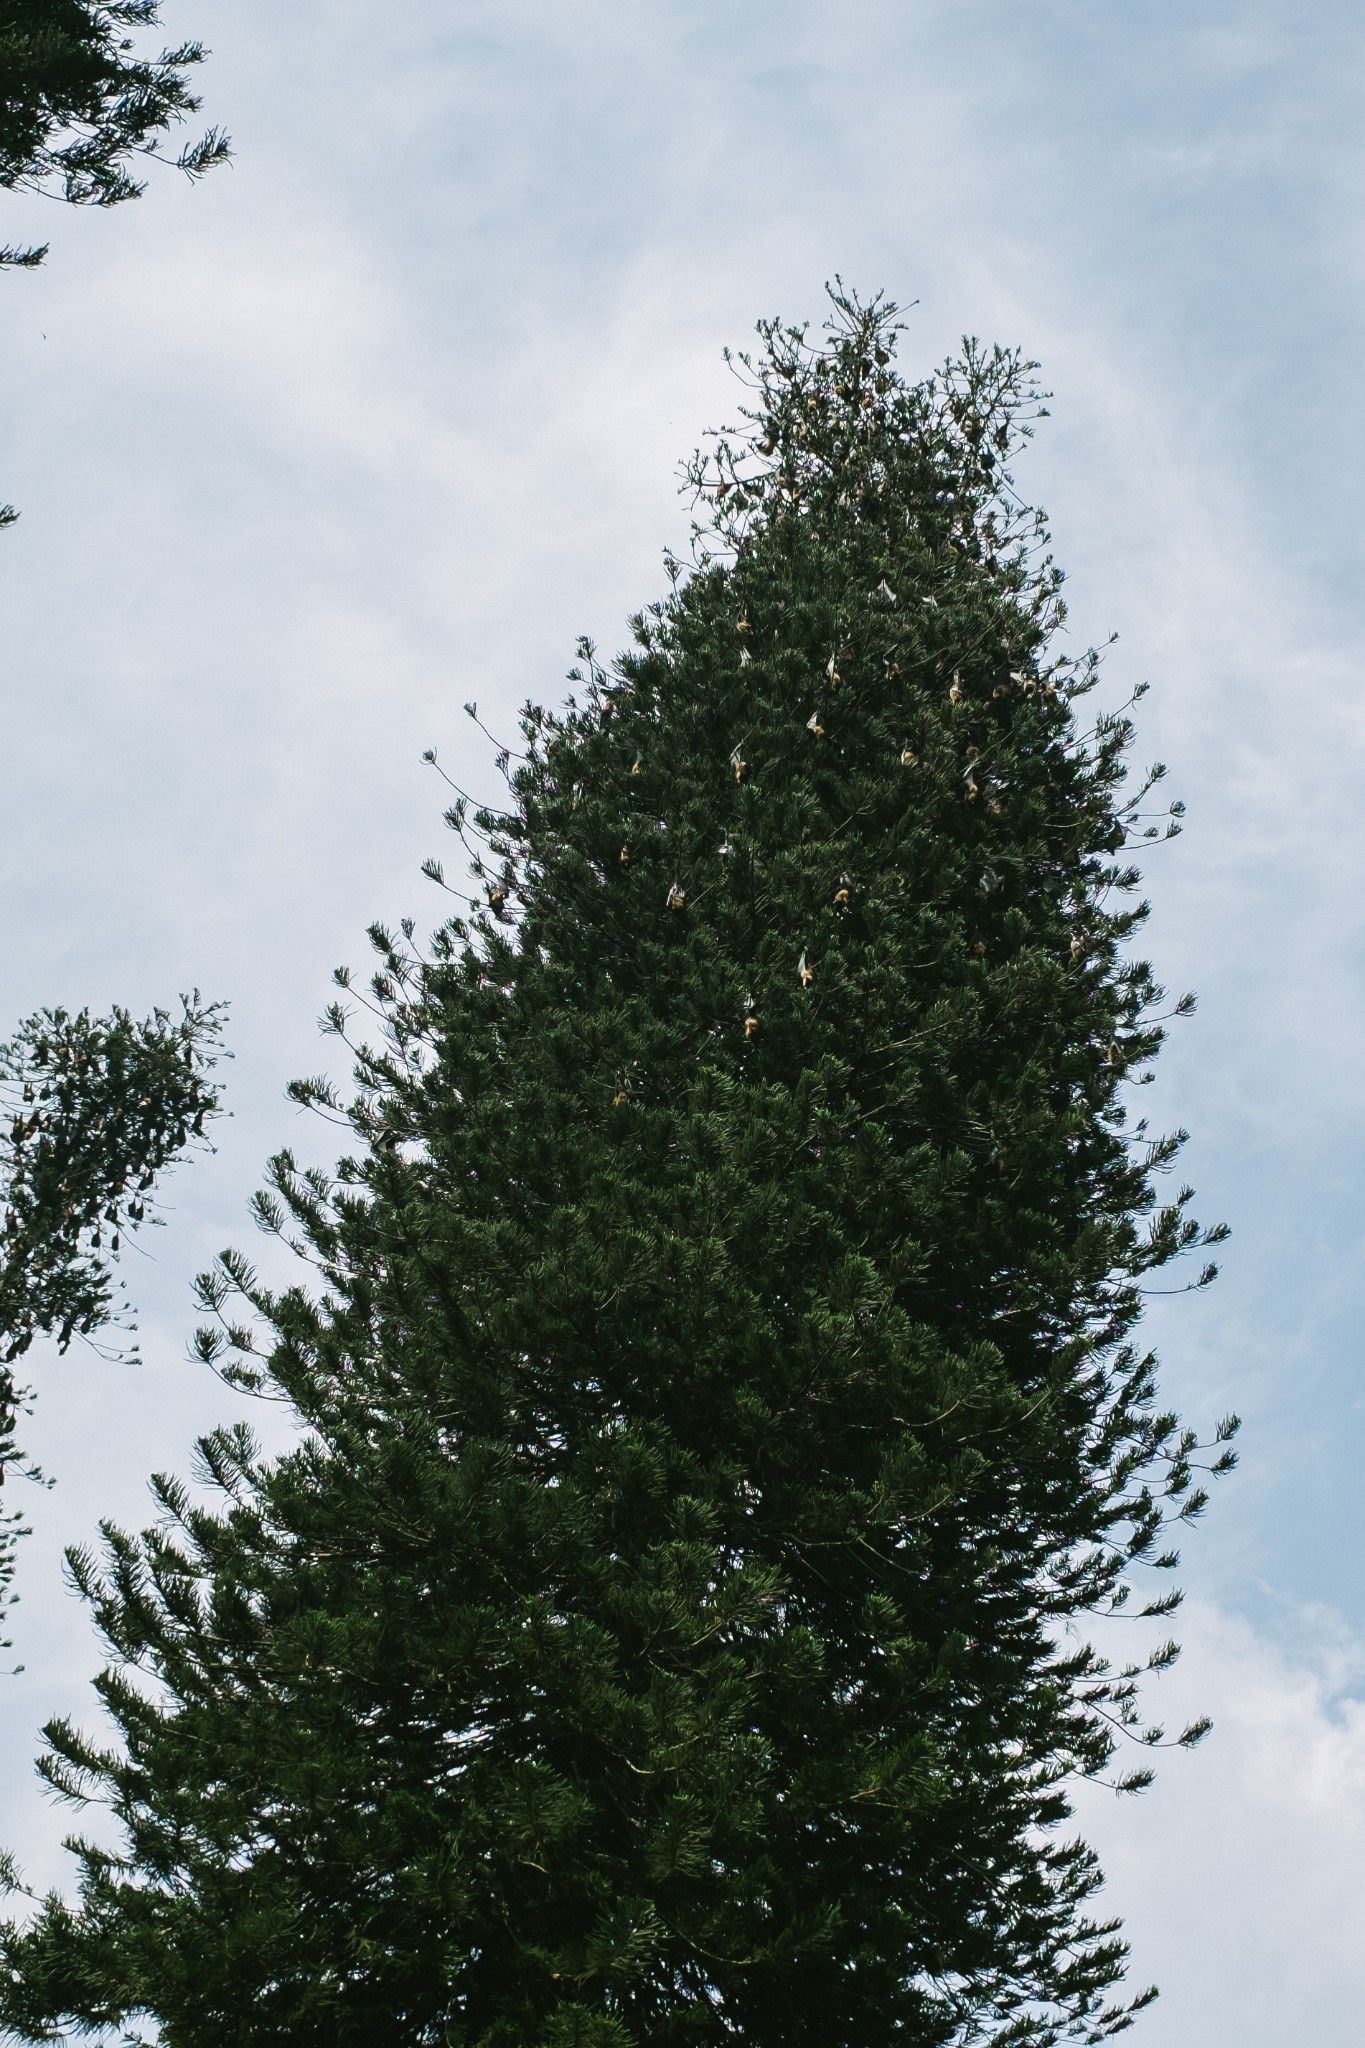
pixel 95 1109
pixel 716 1365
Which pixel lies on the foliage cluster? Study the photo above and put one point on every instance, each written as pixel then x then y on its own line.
pixel 77 103
pixel 92 1110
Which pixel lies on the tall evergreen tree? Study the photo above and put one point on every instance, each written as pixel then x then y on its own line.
pixel 716 1365
pixel 94 1109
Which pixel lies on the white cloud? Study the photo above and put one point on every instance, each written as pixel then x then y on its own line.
pixel 1241 1874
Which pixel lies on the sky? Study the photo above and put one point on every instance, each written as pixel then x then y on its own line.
pixel 383 417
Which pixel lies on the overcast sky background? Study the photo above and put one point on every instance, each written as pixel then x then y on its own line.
pixel 386 415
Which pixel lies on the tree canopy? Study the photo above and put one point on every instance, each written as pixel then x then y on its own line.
pixel 94 1111
pixel 79 104
pixel 714 1352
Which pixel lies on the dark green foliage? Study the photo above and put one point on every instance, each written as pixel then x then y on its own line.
pixel 77 103
pixel 94 1109
pixel 716 1365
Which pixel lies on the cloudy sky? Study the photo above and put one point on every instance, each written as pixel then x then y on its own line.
pixel 386 415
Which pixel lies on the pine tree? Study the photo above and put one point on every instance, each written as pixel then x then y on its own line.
pixel 716 1368
pixel 96 1109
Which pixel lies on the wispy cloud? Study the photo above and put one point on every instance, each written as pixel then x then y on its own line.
pixel 1242 1874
